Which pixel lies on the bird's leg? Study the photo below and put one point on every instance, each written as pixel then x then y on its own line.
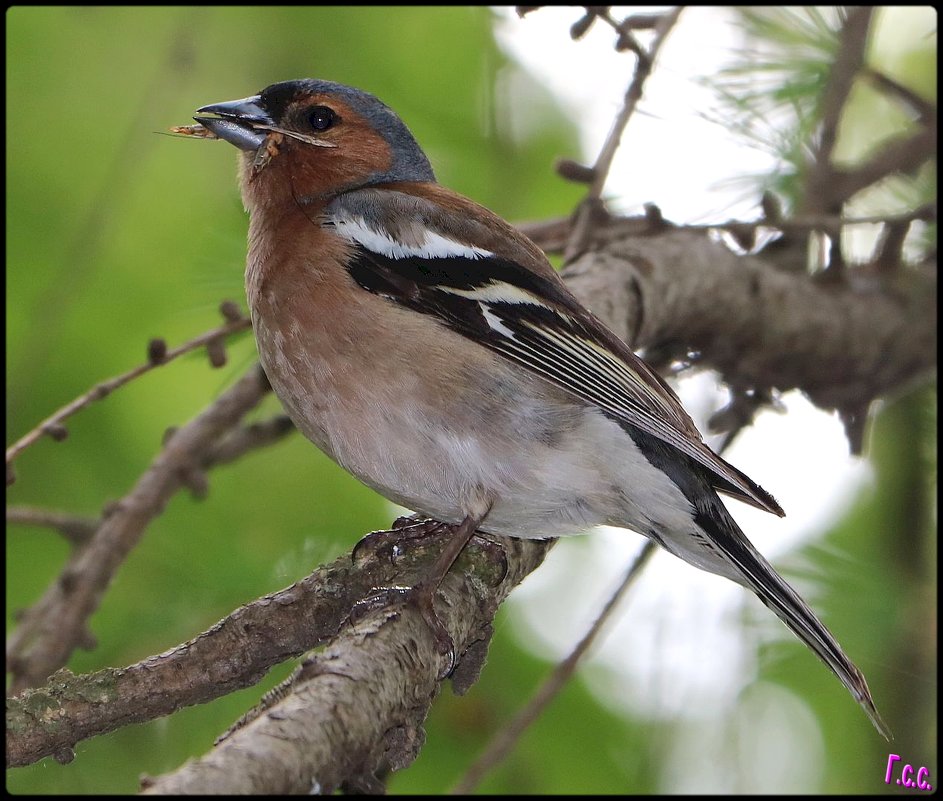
pixel 422 594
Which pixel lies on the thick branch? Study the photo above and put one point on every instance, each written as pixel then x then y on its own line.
pixel 505 740
pixel 241 648
pixel 677 291
pixel 357 709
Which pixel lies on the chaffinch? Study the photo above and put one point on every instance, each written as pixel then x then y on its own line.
pixel 431 350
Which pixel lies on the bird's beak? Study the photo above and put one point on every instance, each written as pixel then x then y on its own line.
pixel 236 121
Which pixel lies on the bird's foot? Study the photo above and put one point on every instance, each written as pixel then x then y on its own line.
pixel 422 598
pixel 388 542
pixel 422 595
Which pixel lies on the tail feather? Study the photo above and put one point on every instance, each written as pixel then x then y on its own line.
pixel 757 574
pixel 715 543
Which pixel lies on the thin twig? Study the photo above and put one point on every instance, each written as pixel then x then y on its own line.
pixel 643 68
pixel 78 530
pixel 821 222
pixel 501 745
pixel 924 109
pixel 819 195
pixel 249 438
pixel 904 155
pixel 552 235
pixel 119 167
pixel 74 528
pixel 53 423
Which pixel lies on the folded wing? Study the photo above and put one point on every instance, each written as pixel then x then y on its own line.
pixel 429 262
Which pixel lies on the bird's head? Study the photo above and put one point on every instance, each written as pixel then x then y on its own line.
pixel 309 140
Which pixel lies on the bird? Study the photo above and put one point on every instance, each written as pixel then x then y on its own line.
pixel 431 350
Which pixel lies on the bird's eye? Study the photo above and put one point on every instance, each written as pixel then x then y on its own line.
pixel 321 118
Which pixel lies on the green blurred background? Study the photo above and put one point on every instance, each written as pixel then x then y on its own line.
pixel 116 234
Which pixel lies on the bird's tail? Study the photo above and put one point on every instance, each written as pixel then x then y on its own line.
pixel 753 571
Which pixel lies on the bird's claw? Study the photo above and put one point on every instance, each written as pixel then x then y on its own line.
pixel 386 543
pixel 423 600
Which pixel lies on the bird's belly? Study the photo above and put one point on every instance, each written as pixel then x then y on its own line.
pixel 448 430
pixel 450 443
pixel 533 489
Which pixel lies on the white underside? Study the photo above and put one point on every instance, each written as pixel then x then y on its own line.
pixel 590 474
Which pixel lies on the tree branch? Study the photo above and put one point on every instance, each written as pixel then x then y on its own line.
pixel 819 196
pixel 356 710
pixel 552 234
pixel 925 110
pixel 505 739
pixel 157 355
pixel 241 648
pixel 77 530
pixel 588 210
pixel 904 155
pixel 52 628
pixel 675 291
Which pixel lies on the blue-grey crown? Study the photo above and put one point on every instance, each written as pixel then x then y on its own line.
pixel 409 162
